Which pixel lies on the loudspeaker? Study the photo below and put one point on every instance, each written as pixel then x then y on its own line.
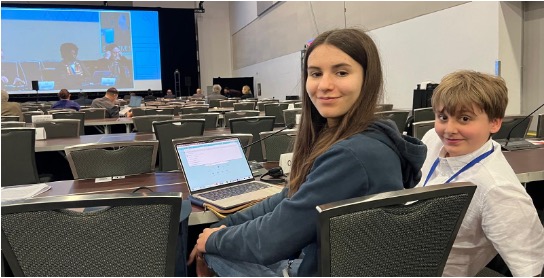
pixel 35 85
pixel 187 81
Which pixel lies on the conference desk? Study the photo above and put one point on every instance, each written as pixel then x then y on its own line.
pixel 527 164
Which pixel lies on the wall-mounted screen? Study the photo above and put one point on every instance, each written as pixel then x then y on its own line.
pixel 80 49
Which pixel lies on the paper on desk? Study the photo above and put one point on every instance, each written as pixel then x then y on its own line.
pixel 20 192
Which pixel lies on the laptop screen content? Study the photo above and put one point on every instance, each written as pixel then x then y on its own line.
pixel 215 163
pixel 135 101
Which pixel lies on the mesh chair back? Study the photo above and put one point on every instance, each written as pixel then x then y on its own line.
pixel 12 124
pixel 94 113
pixel 60 128
pixel 164 111
pixel 212 119
pixel 540 126
pixel 10 118
pixel 399 117
pixel 290 115
pixel 136 112
pixel 28 115
pixel 260 104
pixel 253 126
pixel 72 115
pixel 227 103
pixel 423 114
pixel 136 235
pixel 298 104
pixel 238 114
pixel 245 139
pixel 420 128
pixel 277 144
pixel 18 156
pixel 276 109
pixel 194 109
pixel 143 124
pixel 166 131
pixel 89 161
pixel 381 235
pixel 384 107
pixel 509 126
pixel 244 106
pixel 214 102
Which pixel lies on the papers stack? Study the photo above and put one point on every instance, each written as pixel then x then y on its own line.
pixel 21 192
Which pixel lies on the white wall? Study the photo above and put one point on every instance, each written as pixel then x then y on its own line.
pixel 510 52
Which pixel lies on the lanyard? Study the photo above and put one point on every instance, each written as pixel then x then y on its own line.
pixel 466 167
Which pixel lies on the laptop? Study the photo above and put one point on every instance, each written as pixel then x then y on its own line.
pixel 135 101
pixel 217 172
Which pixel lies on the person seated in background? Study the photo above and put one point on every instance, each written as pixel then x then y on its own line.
pixel 169 94
pixel 216 93
pixel 83 99
pixel 150 96
pixel 72 72
pixel 65 102
pixel 10 73
pixel 10 108
pixel 469 107
pixel 228 92
pixel 199 94
pixel 108 102
pixel 246 92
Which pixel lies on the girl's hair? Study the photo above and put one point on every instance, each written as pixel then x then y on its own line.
pixel 314 136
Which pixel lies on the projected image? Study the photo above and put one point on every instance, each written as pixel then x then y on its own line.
pixel 79 49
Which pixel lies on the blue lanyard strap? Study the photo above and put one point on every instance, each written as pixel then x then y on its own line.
pixel 466 167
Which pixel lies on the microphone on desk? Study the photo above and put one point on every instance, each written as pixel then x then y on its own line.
pixel 522 146
pixel 289 126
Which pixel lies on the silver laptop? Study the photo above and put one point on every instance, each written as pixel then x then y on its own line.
pixel 217 172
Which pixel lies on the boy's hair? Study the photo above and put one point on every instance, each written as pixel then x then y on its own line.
pixel 64 94
pixel 461 90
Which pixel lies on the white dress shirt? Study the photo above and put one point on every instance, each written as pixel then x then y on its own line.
pixel 501 217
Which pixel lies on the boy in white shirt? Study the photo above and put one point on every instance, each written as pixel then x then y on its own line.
pixel 469 107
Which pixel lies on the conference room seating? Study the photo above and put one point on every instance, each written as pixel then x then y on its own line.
pixel 60 128
pixel 94 113
pixel 18 156
pixel 214 102
pixel 400 233
pixel 384 107
pixel 277 144
pixel 72 115
pixel 212 119
pixel 238 114
pixel 246 105
pixel 260 104
pixel 27 116
pixel 97 160
pixel 509 127
pixel 245 139
pixel 143 124
pixel 399 117
pixel 193 109
pixel 290 115
pixel 166 131
pixel 253 125
pixel 420 128
pixel 5 124
pixel 276 110
pixel 10 118
pixel 164 111
pixel 540 126
pixel 423 114
pixel 136 234
pixel 137 111
pixel 298 104
pixel 227 103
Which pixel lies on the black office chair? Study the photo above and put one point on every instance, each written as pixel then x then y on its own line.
pixel 507 127
pixel 94 113
pixel 166 131
pixel 5 124
pixel 423 114
pixel 246 105
pixel 10 118
pixel 212 119
pixel 253 126
pixel 276 145
pixel 238 114
pixel 193 109
pixel 18 156
pixel 60 128
pixel 133 235
pixel 290 116
pixel 399 117
pixel 27 116
pixel 214 102
pixel 143 124
pixel 276 110
pixel 401 233
pixel 384 107
pixel 245 139
pixel 420 128
pixel 72 115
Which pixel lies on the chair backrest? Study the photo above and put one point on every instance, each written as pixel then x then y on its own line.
pixel 164 111
pixel 253 125
pixel 238 114
pixel 508 124
pixel 276 109
pixel 246 105
pixel 94 113
pixel 298 104
pixel 60 128
pixel 137 111
pixel 260 104
pixel 5 124
pixel 194 109
pixel 166 131
pixel 10 118
pixel 227 103
pixel 277 144
pixel 214 102
pixel 384 107
pixel 143 124
pixel 28 115
pixel 97 160
pixel 134 235
pixel 420 128
pixel 540 126
pixel 18 156
pixel 245 139
pixel 72 115
pixel 401 233
pixel 290 116
pixel 399 117
pixel 423 114
pixel 212 119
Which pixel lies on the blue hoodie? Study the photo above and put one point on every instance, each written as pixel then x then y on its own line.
pixel 376 160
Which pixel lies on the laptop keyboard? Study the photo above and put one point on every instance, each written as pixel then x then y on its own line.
pixel 233 191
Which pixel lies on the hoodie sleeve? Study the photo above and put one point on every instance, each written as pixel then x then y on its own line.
pixel 338 174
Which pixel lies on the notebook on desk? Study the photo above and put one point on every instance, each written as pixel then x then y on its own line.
pixel 135 101
pixel 217 172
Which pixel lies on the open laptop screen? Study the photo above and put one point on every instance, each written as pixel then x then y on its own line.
pixel 135 101
pixel 215 163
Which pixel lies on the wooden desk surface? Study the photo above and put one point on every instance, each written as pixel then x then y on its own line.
pixel 527 164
